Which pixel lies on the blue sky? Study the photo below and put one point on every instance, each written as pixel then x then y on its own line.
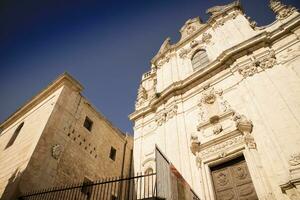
pixel 106 45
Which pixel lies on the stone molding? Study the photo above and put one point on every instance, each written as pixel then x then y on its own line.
pixel 257 65
pixel 165 115
pixel 225 57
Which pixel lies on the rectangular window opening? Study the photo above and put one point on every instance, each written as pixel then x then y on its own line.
pixel 113 153
pixel 88 124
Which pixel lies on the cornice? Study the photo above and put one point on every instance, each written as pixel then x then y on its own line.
pixel 227 57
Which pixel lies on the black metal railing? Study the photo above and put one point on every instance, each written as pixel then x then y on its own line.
pixel 142 186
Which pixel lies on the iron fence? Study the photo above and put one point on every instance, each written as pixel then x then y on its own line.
pixel 142 186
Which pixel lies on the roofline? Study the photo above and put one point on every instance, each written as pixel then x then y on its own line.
pixel 227 56
pixel 59 81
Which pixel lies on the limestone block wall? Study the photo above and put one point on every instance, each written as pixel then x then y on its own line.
pixel 14 159
pixel 81 153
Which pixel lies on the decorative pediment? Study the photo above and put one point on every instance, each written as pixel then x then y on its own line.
pixel 190 27
pixel 216 10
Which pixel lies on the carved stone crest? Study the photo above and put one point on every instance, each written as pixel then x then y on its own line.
pixel 56 151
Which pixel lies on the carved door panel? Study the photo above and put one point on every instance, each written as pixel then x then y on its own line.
pixel 232 181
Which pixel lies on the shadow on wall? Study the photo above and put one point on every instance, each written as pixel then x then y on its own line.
pixel 11 191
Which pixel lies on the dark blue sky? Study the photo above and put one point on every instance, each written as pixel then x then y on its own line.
pixel 106 45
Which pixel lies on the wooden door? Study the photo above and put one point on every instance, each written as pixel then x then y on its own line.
pixel 232 181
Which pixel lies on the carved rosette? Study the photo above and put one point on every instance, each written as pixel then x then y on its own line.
pixel 56 151
pixel 265 63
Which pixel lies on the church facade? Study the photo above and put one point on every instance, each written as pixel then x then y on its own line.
pixel 223 104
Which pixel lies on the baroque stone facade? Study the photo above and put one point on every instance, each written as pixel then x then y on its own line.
pixel 243 104
pixel 55 146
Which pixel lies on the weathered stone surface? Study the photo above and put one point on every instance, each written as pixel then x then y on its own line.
pixel 54 148
pixel 256 115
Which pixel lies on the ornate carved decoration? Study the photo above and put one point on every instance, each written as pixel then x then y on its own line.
pixel 249 141
pixel 142 96
pixel 216 10
pixel 183 53
pixel 194 43
pixel 195 144
pixel 190 27
pixel 269 61
pixel 163 60
pixel 253 24
pixel 240 172
pixel 242 123
pixel 281 10
pixel 222 154
pixel 206 37
pixel 265 63
pixel 160 119
pixel 188 52
pixel 295 159
pixel 211 105
pixel 221 147
pixel 166 115
pixel 245 126
pixel 248 70
pixel 222 179
pixel 56 151
pixel 217 129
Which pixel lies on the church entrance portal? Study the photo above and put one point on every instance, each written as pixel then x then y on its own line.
pixel 232 181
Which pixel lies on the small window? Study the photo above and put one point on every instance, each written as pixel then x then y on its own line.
pixel 113 153
pixel 88 123
pixel 200 60
pixel 87 187
pixel 15 135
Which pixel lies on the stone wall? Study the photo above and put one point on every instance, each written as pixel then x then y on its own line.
pixel 64 151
